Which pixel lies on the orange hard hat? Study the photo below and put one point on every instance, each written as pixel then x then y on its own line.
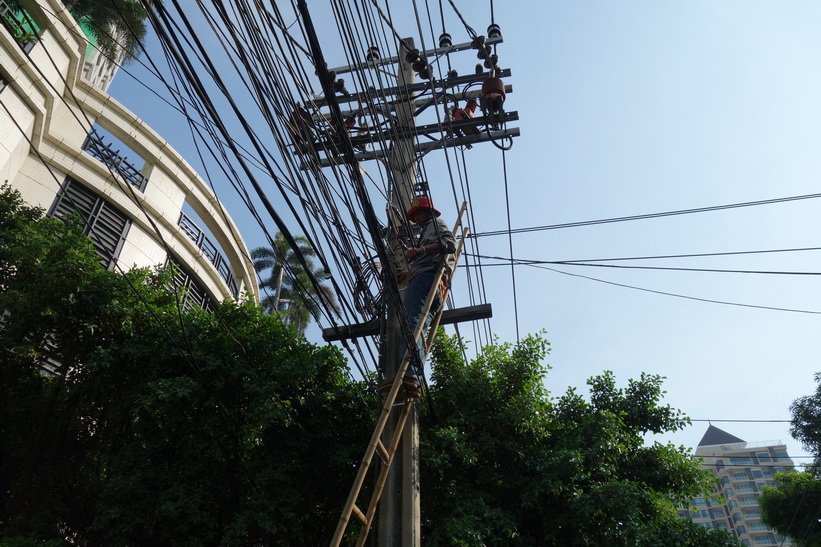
pixel 420 202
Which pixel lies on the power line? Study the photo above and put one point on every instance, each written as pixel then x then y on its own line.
pixel 180 56
pixel 524 262
pixel 693 255
pixel 646 216
pixel 256 43
pixel 726 303
pixel 710 270
pixel 202 56
pixel 510 246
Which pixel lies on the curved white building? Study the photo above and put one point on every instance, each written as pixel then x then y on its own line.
pixel 51 152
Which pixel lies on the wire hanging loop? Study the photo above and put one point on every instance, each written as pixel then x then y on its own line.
pixel 495 141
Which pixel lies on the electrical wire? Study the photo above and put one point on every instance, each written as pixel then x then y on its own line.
pixel 523 262
pixel 691 255
pixel 248 43
pixel 139 205
pixel 260 193
pixel 707 300
pixel 187 352
pixel 647 216
pixel 185 349
pixel 510 247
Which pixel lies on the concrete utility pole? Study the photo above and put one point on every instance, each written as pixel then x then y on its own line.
pixel 399 517
pixel 395 501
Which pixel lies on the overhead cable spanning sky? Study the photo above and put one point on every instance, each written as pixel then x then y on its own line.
pixel 683 134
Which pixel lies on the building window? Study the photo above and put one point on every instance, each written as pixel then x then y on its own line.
pixel 757 474
pixel 740 530
pixel 194 294
pixel 758 526
pixel 699 501
pixel 740 461
pixel 209 249
pixel 741 477
pixel 106 225
pixel 752 514
pixel 763 540
pixel 763 457
pixel 749 501
pixel 115 160
pixel 781 456
pixel 729 492
pixel 745 488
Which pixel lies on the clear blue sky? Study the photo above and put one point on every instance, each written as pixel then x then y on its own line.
pixel 628 108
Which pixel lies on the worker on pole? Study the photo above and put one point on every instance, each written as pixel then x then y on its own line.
pixel 435 243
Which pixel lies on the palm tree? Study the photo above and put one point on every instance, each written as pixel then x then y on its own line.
pixel 117 26
pixel 292 284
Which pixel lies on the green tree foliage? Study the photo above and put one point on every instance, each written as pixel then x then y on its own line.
pixel 806 420
pixel 792 506
pixel 506 464
pixel 117 26
pixel 160 427
pixel 294 283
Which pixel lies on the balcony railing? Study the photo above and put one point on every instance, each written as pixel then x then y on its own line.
pixel 15 19
pixel 210 250
pixel 95 146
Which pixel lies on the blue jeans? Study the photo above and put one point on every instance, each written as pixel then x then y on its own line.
pixel 415 296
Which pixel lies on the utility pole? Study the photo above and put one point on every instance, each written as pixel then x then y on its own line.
pixel 395 441
pixel 399 517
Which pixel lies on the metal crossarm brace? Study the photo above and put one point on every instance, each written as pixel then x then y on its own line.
pixel 388 452
pixel 435 52
pixel 448 141
pixel 413 88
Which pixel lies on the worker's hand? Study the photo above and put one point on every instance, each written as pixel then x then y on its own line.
pixel 413 254
pixel 401 275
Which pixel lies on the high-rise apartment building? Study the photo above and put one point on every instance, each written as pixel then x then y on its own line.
pixel 142 203
pixel 741 470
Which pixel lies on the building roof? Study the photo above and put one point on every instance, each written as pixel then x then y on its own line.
pixel 715 435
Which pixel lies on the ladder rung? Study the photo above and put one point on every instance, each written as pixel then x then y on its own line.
pixel 359 514
pixel 382 451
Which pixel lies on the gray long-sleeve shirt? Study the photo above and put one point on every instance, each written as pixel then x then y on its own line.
pixel 434 231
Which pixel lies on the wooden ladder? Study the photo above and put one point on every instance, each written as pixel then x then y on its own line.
pixel 401 392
